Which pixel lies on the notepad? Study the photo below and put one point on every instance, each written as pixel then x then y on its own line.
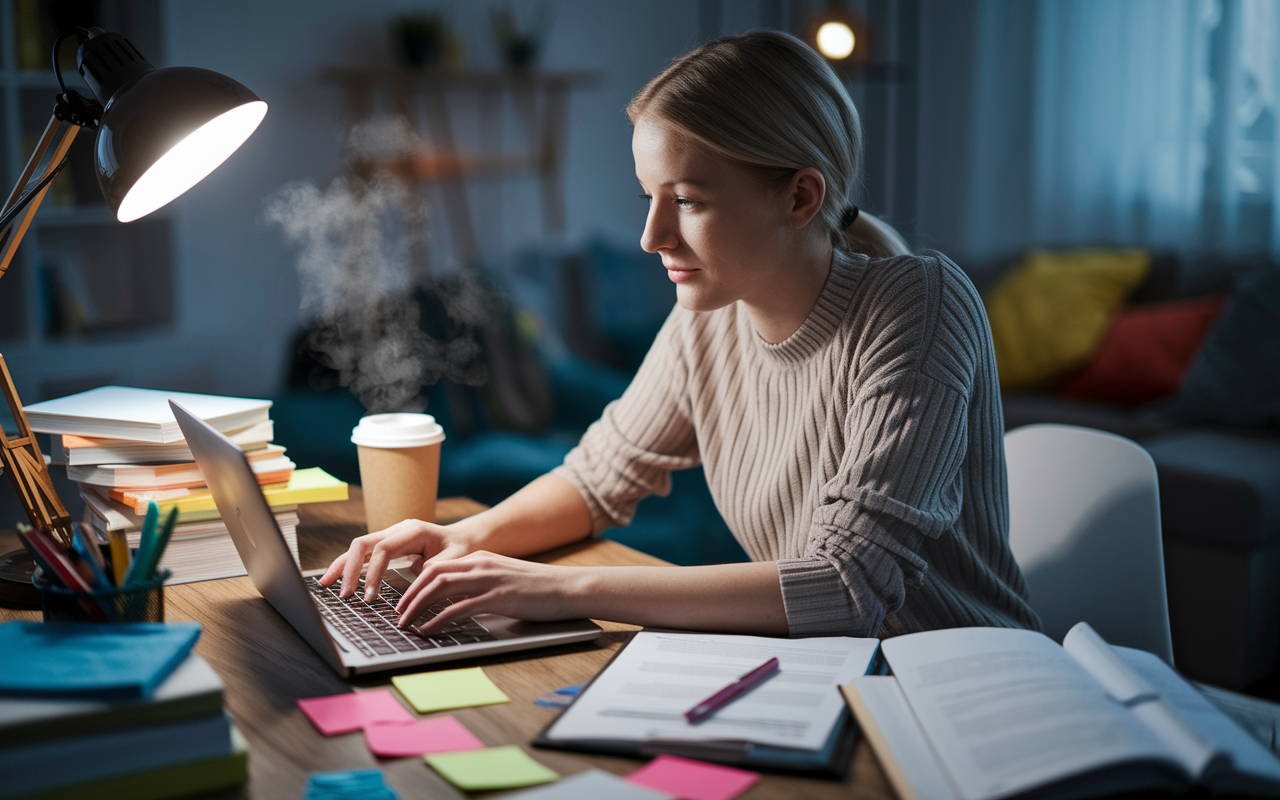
pixel 91 660
pixel 693 780
pixel 450 688
pixel 418 737
pixel 491 768
pixel 344 713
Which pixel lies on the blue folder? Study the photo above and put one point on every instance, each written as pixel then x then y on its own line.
pixel 106 661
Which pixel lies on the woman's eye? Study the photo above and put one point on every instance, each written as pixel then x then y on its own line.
pixel 646 198
pixel 686 202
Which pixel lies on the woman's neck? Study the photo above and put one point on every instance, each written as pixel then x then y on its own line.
pixel 785 303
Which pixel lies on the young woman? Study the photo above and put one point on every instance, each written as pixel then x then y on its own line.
pixel 844 405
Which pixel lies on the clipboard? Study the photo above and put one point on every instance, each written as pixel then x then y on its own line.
pixel 833 760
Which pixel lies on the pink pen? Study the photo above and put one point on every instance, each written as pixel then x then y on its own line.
pixel 731 692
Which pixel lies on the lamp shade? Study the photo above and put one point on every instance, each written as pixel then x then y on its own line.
pixel 162 130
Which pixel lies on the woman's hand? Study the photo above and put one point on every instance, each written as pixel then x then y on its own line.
pixel 487 583
pixel 420 540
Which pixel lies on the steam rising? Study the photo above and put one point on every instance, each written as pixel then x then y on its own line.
pixel 359 292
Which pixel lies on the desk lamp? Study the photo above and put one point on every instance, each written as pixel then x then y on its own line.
pixel 159 132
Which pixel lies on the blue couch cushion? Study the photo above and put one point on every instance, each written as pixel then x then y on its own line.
pixel 1236 377
pixel 1218 489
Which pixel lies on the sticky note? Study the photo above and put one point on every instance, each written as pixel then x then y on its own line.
pixel 490 768
pixel 343 713
pixel 693 780
pixel 450 688
pixel 360 784
pixel 435 735
pixel 590 785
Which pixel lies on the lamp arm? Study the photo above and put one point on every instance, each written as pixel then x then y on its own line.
pixel 12 213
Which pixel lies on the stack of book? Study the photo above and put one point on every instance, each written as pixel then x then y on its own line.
pixel 140 728
pixel 123 448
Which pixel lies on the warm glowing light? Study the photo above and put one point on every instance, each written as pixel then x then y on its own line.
pixel 190 160
pixel 835 40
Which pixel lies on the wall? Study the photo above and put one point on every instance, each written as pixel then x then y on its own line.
pixel 236 277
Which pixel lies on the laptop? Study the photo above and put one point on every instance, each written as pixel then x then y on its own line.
pixel 352 636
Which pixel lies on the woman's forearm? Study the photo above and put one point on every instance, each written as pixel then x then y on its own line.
pixel 732 598
pixel 546 514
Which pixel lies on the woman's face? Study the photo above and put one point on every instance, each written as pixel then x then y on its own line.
pixel 722 233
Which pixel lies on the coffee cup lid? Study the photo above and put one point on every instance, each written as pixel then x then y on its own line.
pixel 397 430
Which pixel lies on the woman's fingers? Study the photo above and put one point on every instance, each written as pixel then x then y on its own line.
pixel 334 570
pixel 449 552
pixel 463 607
pixel 356 556
pixel 440 580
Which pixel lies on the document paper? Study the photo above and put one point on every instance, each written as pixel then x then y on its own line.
pixel 643 694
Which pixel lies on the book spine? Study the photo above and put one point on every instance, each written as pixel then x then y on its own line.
pixel 52 764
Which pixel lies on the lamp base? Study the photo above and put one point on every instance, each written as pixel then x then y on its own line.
pixel 16 589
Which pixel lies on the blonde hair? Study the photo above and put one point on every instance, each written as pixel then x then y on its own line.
pixel 767 100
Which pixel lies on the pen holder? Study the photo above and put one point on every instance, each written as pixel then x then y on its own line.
pixel 136 603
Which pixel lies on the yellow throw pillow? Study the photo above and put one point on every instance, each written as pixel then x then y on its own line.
pixel 1049 313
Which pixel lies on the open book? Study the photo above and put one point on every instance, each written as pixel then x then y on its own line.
pixel 977 713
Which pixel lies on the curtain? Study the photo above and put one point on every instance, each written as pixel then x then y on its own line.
pixel 1150 123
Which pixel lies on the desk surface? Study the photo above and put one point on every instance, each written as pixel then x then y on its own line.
pixel 266 667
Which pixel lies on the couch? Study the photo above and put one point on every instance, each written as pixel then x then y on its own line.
pixel 1219 489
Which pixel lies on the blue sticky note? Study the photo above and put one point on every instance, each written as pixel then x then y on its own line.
pixel 359 784
pixel 560 698
pixel 111 661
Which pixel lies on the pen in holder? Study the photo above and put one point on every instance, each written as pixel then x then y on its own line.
pixel 136 602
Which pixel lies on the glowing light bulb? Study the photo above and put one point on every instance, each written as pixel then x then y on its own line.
pixel 835 40
pixel 191 160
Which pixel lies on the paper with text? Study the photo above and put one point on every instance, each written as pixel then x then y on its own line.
pixel 643 694
pixel 1009 709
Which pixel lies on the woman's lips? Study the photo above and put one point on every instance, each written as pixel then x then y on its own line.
pixel 679 275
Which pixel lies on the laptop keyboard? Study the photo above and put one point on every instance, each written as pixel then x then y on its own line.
pixel 371 627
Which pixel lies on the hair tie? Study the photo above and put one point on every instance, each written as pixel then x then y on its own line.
pixel 849 216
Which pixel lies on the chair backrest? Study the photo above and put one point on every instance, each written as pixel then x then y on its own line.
pixel 1084 526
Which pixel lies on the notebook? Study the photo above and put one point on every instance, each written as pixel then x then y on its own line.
pixel 795 720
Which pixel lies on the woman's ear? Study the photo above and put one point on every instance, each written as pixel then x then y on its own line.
pixel 805 191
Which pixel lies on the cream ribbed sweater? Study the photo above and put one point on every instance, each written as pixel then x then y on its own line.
pixel 864 454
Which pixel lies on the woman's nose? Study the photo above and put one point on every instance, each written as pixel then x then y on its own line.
pixel 659 230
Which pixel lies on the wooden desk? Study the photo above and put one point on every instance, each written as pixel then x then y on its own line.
pixel 267 667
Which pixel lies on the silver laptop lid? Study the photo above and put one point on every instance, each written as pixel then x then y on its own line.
pixel 254 531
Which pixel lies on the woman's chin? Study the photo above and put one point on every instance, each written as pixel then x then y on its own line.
pixel 695 298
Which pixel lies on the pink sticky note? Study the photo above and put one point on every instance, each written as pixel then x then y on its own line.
pixel 435 735
pixel 693 780
pixel 343 713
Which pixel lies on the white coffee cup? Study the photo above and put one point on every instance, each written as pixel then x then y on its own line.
pixel 399 467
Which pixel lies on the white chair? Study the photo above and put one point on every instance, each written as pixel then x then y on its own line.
pixel 1084 526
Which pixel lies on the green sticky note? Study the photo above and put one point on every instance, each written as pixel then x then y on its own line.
pixel 490 768
pixel 451 688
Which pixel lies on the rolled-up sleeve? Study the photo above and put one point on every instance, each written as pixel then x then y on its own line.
pixel 899 484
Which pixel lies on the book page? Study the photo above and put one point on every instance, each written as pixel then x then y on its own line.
pixel 895 735
pixel 1140 696
pixel 1246 753
pixel 1007 710
pixel 643 694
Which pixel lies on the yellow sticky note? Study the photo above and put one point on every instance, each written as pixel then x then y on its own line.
pixel 450 688
pixel 490 768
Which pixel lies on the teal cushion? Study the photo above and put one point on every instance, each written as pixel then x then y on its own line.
pixel 1235 379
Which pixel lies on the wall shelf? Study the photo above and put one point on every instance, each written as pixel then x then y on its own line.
pixel 79 278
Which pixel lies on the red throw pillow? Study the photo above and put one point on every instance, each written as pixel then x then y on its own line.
pixel 1146 351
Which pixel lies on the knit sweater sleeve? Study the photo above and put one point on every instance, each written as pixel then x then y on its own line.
pixel 631 451
pixel 899 481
